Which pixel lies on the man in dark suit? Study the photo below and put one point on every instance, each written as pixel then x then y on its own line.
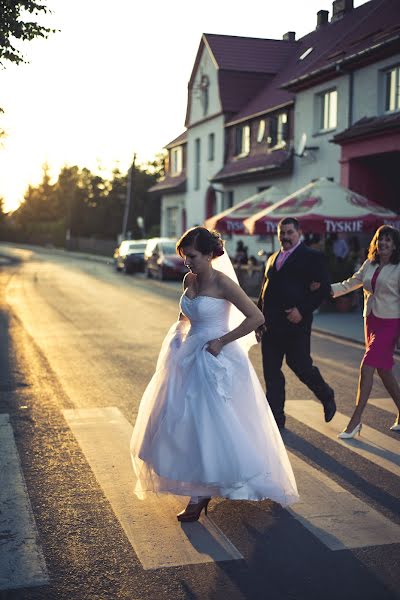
pixel 288 303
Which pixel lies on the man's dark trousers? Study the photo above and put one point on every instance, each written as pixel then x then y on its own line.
pixel 282 290
pixel 295 344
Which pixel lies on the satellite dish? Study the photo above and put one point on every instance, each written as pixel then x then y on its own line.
pixel 302 145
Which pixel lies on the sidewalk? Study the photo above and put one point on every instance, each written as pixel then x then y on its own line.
pixel 349 326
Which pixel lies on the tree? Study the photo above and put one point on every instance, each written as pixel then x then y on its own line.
pixel 15 26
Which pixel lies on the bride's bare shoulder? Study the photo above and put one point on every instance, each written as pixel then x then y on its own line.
pixel 188 280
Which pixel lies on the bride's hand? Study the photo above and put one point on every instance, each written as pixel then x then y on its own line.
pixel 214 347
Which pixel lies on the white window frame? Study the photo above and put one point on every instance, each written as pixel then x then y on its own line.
pixel 197 163
pixel 261 130
pixel 327 110
pixel 176 161
pixel 171 221
pixel 211 146
pixel 244 148
pixel 394 93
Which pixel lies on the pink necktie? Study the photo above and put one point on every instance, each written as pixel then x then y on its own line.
pixel 282 256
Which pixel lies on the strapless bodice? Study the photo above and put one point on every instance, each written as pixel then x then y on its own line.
pixel 206 312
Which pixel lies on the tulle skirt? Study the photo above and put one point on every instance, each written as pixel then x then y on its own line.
pixel 204 427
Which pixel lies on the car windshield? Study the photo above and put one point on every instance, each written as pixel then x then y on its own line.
pixel 137 246
pixel 169 248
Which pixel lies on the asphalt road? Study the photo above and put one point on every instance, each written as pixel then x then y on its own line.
pixel 77 337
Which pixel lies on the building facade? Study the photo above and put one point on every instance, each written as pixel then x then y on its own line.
pixel 281 113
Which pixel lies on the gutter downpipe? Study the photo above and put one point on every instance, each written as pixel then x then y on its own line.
pixel 351 96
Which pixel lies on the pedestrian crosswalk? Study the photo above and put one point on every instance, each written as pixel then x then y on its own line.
pixel 330 512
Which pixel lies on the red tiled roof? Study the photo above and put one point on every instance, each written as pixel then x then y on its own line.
pixel 170 184
pixel 369 126
pixel 178 141
pixel 254 164
pixel 253 55
pixel 237 89
pixel 362 28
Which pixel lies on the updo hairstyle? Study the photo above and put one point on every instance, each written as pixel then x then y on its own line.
pixel 203 240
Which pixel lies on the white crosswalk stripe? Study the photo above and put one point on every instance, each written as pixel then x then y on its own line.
pixel 22 562
pixel 385 404
pixel 335 516
pixel 373 445
pixel 151 525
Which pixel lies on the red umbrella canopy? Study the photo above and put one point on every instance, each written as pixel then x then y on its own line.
pixel 231 220
pixel 324 206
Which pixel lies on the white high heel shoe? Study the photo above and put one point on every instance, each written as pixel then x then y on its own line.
pixel 395 427
pixel 347 436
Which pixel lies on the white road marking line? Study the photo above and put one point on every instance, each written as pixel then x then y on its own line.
pixel 377 447
pixel 334 515
pixel 386 404
pixel 150 525
pixel 22 563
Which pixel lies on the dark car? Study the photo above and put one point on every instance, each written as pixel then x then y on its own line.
pixel 129 256
pixel 161 260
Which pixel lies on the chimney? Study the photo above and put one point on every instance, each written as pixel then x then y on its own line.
pixel 340 8
pixel 290 36
pixel 322 18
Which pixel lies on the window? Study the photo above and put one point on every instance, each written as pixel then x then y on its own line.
pixel 204 83
pixel 172 221
pixel 261 131
pixel 327 110
pixel 227 199
pixel 278 130
pixel 392 89
pixel 211 146
pixel 176 160
pixel 242 140
pixel 197 157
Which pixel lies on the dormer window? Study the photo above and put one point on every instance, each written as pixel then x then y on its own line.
pixel 278 130
pixel 176 160
pixel 242 140
pixel 261 131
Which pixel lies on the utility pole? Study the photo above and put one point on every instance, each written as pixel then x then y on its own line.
pixel 129 196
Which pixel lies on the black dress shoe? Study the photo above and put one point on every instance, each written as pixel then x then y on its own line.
pixel 329 410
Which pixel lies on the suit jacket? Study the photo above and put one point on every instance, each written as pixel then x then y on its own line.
pixel 290 286
pixel 385 301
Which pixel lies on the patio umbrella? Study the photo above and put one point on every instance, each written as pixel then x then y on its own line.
pixel 231 220
pixel 324 206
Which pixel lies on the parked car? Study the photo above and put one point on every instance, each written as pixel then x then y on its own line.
pixel 161 260
pixel 129 256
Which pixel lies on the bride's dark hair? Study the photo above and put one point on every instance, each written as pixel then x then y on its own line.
pixel 203 240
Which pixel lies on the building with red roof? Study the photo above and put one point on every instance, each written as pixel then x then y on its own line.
pixel 264 112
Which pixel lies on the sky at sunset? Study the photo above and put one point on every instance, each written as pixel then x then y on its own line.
pixel 114 80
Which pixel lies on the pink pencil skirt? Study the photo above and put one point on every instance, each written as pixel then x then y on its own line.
pixel 380 340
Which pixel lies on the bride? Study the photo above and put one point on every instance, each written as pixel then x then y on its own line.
pixel 204 427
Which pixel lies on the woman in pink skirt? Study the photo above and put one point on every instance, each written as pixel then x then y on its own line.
pixel 380 278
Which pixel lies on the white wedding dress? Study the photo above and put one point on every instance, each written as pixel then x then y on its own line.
pixel 204 427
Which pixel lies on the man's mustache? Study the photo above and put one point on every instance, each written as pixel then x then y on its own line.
pixel 283 240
